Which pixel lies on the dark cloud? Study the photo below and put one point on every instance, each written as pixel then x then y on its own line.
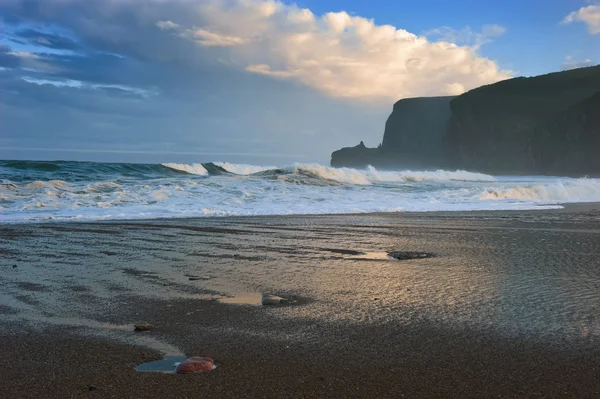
pixel 8 60
pixel 43 39
pixel 125 88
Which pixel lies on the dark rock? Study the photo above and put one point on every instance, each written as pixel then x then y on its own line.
pixel 402 255
pixel 143 327
pixel 355 157
pixel 270 300
pixel 94 388
pixel 14 266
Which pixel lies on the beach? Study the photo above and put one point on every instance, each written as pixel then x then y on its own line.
pixel 483 304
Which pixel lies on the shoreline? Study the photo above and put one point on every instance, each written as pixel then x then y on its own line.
pixel 560 207
pixel 506 307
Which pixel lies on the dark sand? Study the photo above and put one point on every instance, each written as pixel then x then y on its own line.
pixel 508 307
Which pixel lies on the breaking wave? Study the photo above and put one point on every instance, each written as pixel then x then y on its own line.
pixel 193 169
pixel 101 191
pixel 580 190
pixel 243 169
pixel 372 175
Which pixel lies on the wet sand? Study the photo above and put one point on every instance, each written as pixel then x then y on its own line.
pixel 506 306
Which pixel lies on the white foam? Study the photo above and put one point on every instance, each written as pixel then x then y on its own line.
pixel 194 169
pixel 299 189
pixel 580 190
pixel 372 175
pixel 243 169
pixel 46 184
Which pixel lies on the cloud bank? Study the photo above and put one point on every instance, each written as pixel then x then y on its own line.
pixel 589 15
pixel 341 55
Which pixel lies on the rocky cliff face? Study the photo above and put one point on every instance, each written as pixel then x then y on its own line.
pixel 412 138
pixel 541 125
pixel 414 131
pixel 507 126
pixel 570 141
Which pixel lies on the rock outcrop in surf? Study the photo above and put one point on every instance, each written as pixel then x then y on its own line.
pixel 546 124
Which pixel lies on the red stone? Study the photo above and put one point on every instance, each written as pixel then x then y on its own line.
pixel 195 365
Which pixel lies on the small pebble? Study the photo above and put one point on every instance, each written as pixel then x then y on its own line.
pixel 272 300
pixel 143 327
pixel 196 278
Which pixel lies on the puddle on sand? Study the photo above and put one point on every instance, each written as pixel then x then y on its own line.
pixel 166 365
pixel 244 298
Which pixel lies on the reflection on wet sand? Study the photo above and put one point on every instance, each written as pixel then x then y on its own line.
pixel 531 273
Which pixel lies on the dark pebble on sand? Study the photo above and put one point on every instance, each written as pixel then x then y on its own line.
pixel 270 300
pixel 197 278
pixel 143 327
pixel 399 255
pixel 94 388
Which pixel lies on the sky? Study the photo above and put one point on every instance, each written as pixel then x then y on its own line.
pixel 256 81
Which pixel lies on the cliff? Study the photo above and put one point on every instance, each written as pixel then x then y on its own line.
pixel 499 128
pixel 569 142
pixel 412 138
pixel 540 125
pixel 414 131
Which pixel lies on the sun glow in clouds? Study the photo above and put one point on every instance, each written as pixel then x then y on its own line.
pixel 341 55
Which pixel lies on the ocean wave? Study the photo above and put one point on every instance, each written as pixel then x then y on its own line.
pixel 372 175
pixel 580 190
pixel 243 169
pixel 97 191
pixel 193 169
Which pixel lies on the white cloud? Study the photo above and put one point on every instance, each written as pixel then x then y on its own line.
pixel 57 83
pixel 207 38
pixel 167 25
pixel 339 54
pixel 24 55
pixel 590 15
pixel 77 84
pixel 571 63
pixel 468 37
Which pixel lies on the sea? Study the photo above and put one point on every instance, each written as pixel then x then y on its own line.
pixel 33 191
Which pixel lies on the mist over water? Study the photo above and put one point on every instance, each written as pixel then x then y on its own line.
pixel 31 191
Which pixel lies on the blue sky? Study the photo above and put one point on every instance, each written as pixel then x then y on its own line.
pixel 534 43
pixel 256 81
